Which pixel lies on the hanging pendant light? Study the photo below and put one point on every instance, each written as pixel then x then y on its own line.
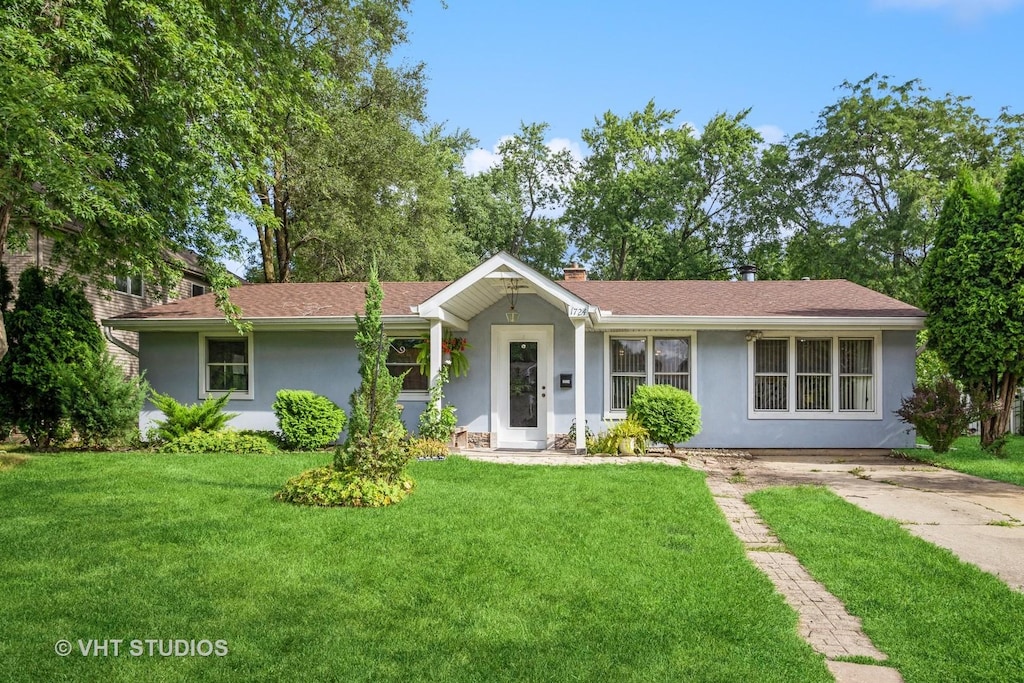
pixel 512 293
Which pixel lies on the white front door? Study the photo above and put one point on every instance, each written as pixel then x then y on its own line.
pixel 521 383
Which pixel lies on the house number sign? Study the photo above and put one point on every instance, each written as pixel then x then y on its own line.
pixel 577 311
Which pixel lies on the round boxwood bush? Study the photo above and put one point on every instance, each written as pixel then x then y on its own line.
pixel 307 421
pixel 670 415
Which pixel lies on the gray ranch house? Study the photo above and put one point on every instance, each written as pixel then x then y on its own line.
pixel 774 364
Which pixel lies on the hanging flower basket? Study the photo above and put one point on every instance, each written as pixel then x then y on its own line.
pixel 453 351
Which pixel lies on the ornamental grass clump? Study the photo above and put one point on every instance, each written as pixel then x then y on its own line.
pixel 670 415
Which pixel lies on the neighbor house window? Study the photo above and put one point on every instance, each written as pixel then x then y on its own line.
pixel 402 359
pixel 226 365
pixel 198 290
pixel 129 284
pixel 814 376
pixel 631 363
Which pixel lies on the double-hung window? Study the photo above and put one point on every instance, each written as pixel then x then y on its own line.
pixel 636 359
pixel 817 375
pixel 226 365
pixel 402 359
pixel 129 284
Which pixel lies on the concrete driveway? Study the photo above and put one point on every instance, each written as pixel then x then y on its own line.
pixel 977 519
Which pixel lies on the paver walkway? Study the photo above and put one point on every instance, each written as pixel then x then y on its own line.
pixel 824 622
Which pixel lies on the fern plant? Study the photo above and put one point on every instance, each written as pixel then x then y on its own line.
pixel 182 419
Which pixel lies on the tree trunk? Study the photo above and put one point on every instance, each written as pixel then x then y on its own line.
pixel 5 223
pixel 995 425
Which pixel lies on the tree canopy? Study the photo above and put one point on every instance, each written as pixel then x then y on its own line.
pixel 973 289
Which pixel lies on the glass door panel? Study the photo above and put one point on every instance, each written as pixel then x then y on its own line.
pixel 522 384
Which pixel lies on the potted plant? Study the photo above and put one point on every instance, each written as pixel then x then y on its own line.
pixel 631 437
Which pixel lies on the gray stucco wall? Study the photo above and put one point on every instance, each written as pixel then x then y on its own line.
pixel 722 388
pixel 325 362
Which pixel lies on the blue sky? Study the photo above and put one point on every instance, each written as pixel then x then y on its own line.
pixel 492 64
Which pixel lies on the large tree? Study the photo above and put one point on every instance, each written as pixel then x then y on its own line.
pixel 336 118
pixel 973 290
pixel 513 206
pixel 656 200
pixel 873 174
pixel 125 130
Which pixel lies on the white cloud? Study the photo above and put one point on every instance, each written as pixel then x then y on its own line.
pixel 965 10
pixel 574 148
pixel 479 160
pixel 771 134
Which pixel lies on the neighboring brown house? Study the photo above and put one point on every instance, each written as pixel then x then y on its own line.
pixel 129 294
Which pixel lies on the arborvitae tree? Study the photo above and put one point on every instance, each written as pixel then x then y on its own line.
pixel 375 408
pixel 50 328
pixel 973 290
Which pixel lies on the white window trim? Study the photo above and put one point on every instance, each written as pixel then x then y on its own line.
pixel 235 395
pixel 415 395
pixel 791 413
pixel 650 336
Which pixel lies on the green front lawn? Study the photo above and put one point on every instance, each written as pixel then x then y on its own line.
pixel 966 456
pixel 486 573
pixel 938 619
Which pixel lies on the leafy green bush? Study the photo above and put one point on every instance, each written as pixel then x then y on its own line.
pixel 437 422
pixel 940 413
pixel 184 419
pixel 671 415
pixel 102 404
pixel 51 331
pixel 224 441
pixel 613 440
pixel 328 487
pixel 382 457
pixel 428 448
pixel 307 421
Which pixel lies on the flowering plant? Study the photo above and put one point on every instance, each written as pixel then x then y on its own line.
pixel 452 346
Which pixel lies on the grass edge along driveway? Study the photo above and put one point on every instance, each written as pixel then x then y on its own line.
pixel 486 573
pixel 938 618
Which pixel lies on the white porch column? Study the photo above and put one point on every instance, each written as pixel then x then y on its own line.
pixel 579 385
pixel 435 351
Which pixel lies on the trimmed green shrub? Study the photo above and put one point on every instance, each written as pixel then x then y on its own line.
pixel 428 448
pixel 184 419
pixel 671 415
pixel 224 441
pixel 940 413
pixel 328 487
pixel 102 404
pixel 307 421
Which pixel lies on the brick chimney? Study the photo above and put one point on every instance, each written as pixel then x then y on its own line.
pixel 574 273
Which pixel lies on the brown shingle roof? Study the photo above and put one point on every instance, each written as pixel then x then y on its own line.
pixel 814 298
pixel 819 298
pixel 296 300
